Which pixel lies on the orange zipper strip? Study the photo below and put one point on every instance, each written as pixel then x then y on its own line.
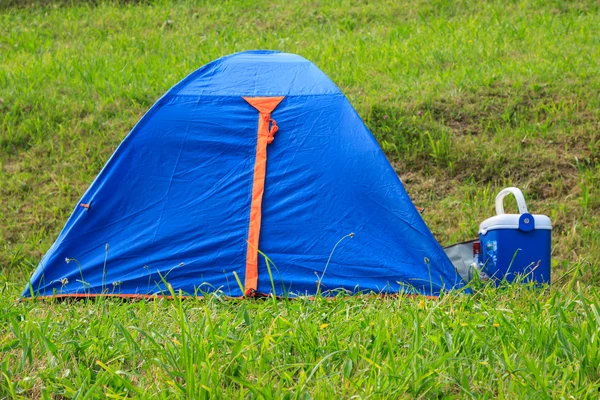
pixel 265 106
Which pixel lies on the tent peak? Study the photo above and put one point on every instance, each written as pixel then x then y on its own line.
pixel 257 73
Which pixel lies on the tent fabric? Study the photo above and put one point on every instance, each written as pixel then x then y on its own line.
pixel 173 204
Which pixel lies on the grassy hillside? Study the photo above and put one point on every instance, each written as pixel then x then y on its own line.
pixel 465 97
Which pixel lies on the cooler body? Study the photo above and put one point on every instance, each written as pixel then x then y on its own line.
pixel 508 253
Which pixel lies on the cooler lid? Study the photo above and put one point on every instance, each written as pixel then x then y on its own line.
pixel 511 221
pixel 522 221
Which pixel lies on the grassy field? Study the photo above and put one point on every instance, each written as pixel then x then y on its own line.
pixel 465 97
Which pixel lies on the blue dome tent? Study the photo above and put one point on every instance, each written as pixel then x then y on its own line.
pixel 255 155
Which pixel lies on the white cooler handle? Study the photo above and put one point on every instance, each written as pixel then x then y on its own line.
pixel 518 195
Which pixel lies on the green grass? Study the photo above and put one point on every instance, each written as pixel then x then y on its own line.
pixel 465 97
pixel 517 343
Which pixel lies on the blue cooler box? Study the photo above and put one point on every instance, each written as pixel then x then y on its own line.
pixel 516 244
